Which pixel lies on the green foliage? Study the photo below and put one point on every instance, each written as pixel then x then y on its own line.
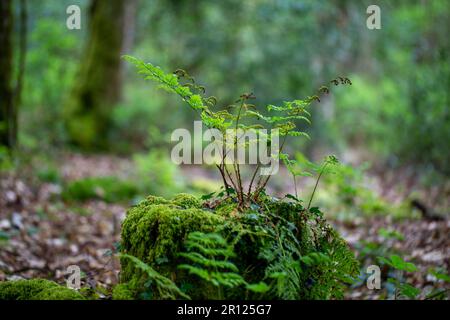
pixel 109 189
pixel 209 256
pixel 440 276
pixel 284 118
pixel 391 234
pixel 165 288
pixel 395 268
pixel 153 232
pixel 401 287
pixel 49 174
pixel 307 266
pixel 122 291
pixel 6 162
pixel 275 251
pixel 36 289
pixel 398 263
pixel 156 174
pixel 348 193
pixel 51 63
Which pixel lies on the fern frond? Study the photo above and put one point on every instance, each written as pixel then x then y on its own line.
pixel 166 287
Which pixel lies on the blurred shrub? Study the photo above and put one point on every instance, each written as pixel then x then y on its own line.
pixel 109 189
pixel 202 186
pixel 50 67
pixel 347 194
pixel 49 174
pixel 156 174
pixel 5 159
pixel 379 116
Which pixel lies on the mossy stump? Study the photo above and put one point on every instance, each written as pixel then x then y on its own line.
pixel 156 229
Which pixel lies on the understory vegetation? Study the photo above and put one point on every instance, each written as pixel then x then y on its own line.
pixel 188 248
pixel 348 197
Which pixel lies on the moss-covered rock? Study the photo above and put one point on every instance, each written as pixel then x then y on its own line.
pixel 150 228
pixel 122 292
pixel 275 242
pixel 36 289
pixel 185 200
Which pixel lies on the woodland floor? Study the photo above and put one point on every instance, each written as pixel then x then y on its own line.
pixel 40 237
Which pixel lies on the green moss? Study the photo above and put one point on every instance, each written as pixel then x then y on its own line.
pixel 151 200
pixel 90 293
pixel 23 289
pixel 36 289
pixel 155 231
pixel 122 292
pixel 185 200
pixel 150 228
pixel 58 293
pixel 226 208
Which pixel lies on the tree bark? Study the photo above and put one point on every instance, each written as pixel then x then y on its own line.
pixel 97 87
pixel 8 126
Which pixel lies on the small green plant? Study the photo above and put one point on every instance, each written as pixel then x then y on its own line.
pixel 49 174
pixel 109 189
pixel 404 290
pixel 165 287
pixel 241 242
pixel 244 116
pixel 209 256
pixel 401 287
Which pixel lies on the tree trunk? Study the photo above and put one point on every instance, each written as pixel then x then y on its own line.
pixel 8 126
pixel 97 87
pixel 23 19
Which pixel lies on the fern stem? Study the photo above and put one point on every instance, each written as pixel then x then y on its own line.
pixel 315 186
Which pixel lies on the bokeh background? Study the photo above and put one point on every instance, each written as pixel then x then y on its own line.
pixel 92 137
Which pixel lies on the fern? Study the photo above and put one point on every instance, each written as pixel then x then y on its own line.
pixel 165 287
pixel 208 254
pixel 283 117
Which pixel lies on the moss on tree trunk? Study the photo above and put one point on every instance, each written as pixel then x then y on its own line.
pixel 98 84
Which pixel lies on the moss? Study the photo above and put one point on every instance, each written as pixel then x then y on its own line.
pixel 36 289
pixel 185 200
pixel 58 293
pixel 226 208
pixel 155 231
pixel 151 200
pixel 122 292
pixel 90 293
pixel 23 289
pixel 149 230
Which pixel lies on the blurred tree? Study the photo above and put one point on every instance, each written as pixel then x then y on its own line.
pixel 7 120
pixel 10 92
pixel 97 88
